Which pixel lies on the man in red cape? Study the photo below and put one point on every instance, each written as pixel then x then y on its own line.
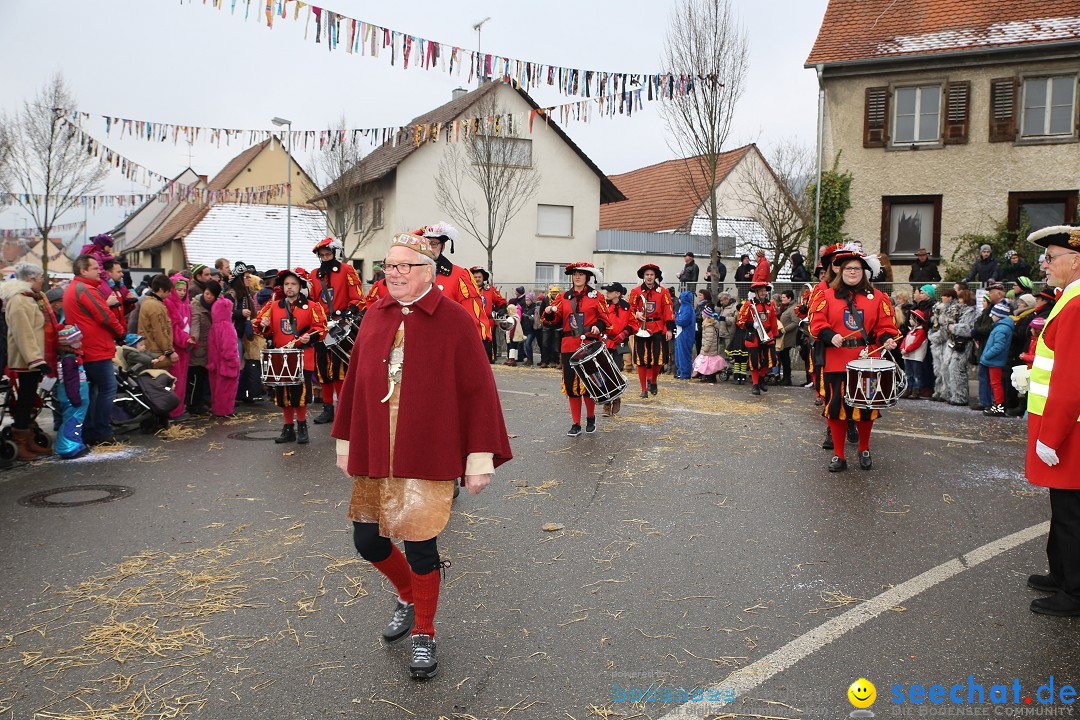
pixel 419 409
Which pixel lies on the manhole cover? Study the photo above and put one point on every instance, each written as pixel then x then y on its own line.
pixel 254 435
pixel 75 496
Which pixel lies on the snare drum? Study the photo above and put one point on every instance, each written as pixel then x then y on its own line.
pixel 597 372
pixel 873 383
pixel 282 367
pixel 341 336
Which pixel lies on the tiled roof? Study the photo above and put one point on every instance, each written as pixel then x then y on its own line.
pixel 255 234
pixel 384 159
pixel 658 197
pixel 236 166
pixel 885 29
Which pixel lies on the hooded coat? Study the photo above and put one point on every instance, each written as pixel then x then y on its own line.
pixel 31 336
pixel 222 358
pixel 684 343
pixel 180 317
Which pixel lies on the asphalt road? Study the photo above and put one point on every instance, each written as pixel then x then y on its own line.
pixel 700 542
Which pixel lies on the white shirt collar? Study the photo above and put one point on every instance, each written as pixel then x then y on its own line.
pixel 410 302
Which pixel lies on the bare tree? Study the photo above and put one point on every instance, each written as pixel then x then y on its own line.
pixel 338 168
pixel 486 179
pixel 775 191
pixel 705 40
pixel 42 161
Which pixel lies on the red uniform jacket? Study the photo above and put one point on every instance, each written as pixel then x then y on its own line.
pixel 659 315
pixel 457 284
pixel 1059 425
pixel 492 300
pixel 307 317
pixel 377 292
pixel 449 404
pixel 830 316
pixel 591 306
pixel 623 324
pixel 84 307
pixel 338 290
pixel 768 318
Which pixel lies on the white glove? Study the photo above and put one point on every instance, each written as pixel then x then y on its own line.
pixel 1020 376
pixel 1046 453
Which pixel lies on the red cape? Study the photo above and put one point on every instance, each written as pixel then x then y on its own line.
pixel 449 403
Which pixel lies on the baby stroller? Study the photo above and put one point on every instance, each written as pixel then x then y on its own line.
pixel 9 392
pixel 142 401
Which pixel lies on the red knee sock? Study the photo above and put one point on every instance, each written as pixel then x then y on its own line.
pixel 590 407
pixel 575 409
pixel 290 415
pixel 864 427
pixel 301 413
pixel 426 600
pixel 654 375
pixel 397 571
pixel 643 377
pixel 838 428
pixel 328 393
pixel 755 376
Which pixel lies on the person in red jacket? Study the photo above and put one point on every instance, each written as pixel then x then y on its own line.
pixel 651 305
pixel 338 288
pixel 419 409
pixel 453 280
pixel 581 315
pixel 290 319
pixel 491 300
pixel 848 317
pixel 762 352
pixel 86 308
pixel 762 271
pixel 623 325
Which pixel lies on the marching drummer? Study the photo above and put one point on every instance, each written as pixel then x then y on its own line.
pixel 758 318
pixel 337 288
pixel 655 324
pixel 291 320
pixel 852 320
pixel 581 315
pixel 622 326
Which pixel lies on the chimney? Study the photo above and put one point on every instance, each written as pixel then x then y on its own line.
pixel 458 92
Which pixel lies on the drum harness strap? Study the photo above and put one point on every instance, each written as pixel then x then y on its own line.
pixel 855 342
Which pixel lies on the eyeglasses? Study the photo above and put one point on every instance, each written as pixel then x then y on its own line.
pixel 1048 258
pixel 854 268
pixel 402 268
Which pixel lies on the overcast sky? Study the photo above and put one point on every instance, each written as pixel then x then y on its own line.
pixel 188 63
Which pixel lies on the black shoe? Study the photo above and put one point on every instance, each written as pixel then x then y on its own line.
pixel 1043 583
pixel 756 390
pixel 852 432
pixel 864 460
pixel 837 464
pixel 199 410
pixel 401 623
pixel 1059 604
pixel 457 488
pixel 326 416
pixel 590 424
pixel 301 433
pixel 763 386
pixel 288 434
pixel 653 389
pixel 827 443
pixel 644 394
pixel 423 663
pixel 574 430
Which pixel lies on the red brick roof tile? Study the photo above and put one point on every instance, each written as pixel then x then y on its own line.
pixel 882 29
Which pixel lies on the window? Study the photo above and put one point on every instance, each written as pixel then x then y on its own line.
pixel 908 223
pixel 547 274
pixel 377 212
pixel 918 115
pixel 555 220
pixel 1033 211
pixel 510 152
pixel 339 223
pixel 359 220
pixel 1048 106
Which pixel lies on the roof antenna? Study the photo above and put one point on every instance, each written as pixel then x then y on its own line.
pixel 480 76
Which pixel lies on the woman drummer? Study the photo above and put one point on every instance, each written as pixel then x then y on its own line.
pixel 581 315
pixel 852 320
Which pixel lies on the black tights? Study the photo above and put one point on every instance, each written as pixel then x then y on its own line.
pixel 423 556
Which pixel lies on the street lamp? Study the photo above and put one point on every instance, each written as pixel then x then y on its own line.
pixel 288 190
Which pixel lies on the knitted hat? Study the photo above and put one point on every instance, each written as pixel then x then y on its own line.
pixel 1037 323
pixel 55 294
pixel 1025 282
pixel 530 296
pixel 985 248
pixel 69 336
pixel 1028 299
pixel 994 285
pixel 929 290
pixel 520 289
pixel 1000 310
pixel 102 241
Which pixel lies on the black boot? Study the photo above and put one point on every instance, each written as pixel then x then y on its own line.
pixel 756 390
pixel 763 386
pixel 827 443
pixel 301 433
pixel 852 432
pixel 326 416
pixel 288 434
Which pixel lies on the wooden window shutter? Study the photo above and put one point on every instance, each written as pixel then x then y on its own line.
pixel 876 122
pixel 1003 109
pixel 957 111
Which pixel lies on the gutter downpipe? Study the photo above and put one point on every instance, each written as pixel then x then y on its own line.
pixel 820 136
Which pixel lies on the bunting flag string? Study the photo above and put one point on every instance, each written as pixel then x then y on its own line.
pixel 261 195
pixel 311 140
pixel 359 37
pixel 33 232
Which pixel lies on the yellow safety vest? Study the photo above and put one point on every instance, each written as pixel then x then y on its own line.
pixel 1043 364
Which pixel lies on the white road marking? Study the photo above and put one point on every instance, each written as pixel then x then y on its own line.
pixel 522 392
pixel 944 438
pixel 746 679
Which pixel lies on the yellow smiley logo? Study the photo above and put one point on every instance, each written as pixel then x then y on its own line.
pixel 862 693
